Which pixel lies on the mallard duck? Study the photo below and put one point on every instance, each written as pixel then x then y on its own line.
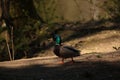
pixel 63 51
pixel 66 52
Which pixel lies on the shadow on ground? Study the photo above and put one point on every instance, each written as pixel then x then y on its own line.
pixel 83 70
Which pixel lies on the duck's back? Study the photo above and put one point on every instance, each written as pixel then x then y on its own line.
pixel 67 51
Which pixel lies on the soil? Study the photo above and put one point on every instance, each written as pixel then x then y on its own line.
pixel 95 66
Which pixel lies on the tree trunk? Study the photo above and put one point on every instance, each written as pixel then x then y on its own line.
pixel 5 16
pixel 0 10
pixel 12 42
pixel 8 47
pixel 7 38
pixel 25 54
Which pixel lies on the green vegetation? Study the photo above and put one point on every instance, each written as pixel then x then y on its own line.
pixel 112 8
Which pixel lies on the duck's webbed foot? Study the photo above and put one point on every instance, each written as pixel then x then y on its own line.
pixel 62 61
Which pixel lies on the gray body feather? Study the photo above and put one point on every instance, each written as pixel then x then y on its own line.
pixel 66 51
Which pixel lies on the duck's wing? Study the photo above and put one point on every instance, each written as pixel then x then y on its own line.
pixel 71 48
pixel 67 51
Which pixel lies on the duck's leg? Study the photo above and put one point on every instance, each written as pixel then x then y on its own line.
pixel 62 60
pixel 72 60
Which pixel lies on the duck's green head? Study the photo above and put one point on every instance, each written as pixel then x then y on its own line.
pixel 58 39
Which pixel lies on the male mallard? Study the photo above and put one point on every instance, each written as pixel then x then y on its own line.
pixel 63 51
pixel 66 52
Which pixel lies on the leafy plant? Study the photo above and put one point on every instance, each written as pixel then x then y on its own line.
pixel 113 9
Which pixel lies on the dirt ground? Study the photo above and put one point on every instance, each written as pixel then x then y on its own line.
pixel 98 61
pixel 96 66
